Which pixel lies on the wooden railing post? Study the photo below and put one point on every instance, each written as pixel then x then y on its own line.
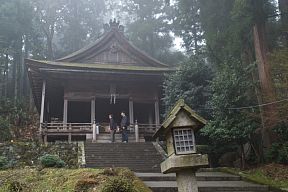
pixel 70 134
pixel 136 131
pixel 94 132
pixel 97 129
pixel 45 132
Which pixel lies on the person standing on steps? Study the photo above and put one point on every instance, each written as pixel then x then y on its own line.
pixel 113 128
pixel 124 124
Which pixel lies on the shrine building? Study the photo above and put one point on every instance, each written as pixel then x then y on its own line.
pixel 107 77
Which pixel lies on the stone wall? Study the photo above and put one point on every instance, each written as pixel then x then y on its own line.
pixel 21 154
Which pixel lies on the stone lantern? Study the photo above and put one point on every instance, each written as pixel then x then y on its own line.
pixel 179 130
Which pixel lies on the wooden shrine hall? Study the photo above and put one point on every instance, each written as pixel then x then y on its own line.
pixel 109 76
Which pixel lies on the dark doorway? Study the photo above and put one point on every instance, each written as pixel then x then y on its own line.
pixel 144 113
pixel 79 112
pixel 104 107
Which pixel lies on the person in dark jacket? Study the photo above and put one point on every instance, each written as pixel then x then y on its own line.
pixel 124 124
pixel 113 128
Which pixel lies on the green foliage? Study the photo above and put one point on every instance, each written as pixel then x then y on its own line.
pixel 51 161
pixel 13 116
pixel 21 154
pixel 191 83
pixel 59 180
pixel 281 130
pixel 118 184
pixel 230 89
pixel 279 64
pixel 14 186
pixel 148 27
pixel 81 21
pixel 3 162
pixel 5 134
pixel 187 25
pixel 277 153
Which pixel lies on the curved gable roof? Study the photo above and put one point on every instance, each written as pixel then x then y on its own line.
pixel 105 43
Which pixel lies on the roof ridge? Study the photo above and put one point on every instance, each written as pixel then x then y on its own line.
pixel 117 31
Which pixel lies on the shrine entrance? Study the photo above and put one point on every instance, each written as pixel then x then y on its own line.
pixel 106 106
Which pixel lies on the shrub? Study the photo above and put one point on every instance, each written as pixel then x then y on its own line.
pixel 14 186
pixel 49 160
pixel 118 184
pixel 109 172
pixel 84 185
pixel 5 134
pixel 3 162
pixel 278 153
pixel 281 130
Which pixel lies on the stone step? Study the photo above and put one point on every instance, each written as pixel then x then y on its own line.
pixel 136 156
pixel 201 176
pixel 208 186
pixel 106 138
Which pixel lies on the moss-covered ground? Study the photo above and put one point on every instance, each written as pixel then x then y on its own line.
pixel 274 175
pixel 66 180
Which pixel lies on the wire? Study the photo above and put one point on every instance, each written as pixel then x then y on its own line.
pixel 261 105
pixel 250 107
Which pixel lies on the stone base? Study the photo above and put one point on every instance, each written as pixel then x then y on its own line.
pixel 186 181
pixel 175 163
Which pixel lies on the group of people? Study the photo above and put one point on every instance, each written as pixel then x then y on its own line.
pixel 123 127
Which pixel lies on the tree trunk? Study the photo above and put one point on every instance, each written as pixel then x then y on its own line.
pixel 6 71
pixel 25 85
pixel 248 58
pixel 283 7
pixel 14 81
pixel 268 94
pixel 195 37
pixel 50 48
pixel 17 68
pixel 243 164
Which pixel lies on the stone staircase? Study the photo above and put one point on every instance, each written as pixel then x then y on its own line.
pixel 139 157
pixel 106 138
pixel 144 160
pixel 207 182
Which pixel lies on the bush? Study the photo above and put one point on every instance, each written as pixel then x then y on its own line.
pixel 281 130
pixel 3 162
pixel 5 134
pixel 14 186
pixel 118 184
pixel 278 153
pixel 49 160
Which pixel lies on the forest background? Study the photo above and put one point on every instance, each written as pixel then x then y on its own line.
pixel 231 67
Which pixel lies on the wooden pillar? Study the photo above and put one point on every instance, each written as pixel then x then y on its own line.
pixel 65 111
pixel 92 110
pixel 157 113
pixel 131 111
pixel 42 106
pixel 94 132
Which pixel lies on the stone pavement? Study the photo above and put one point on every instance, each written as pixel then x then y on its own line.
pixel 207 182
